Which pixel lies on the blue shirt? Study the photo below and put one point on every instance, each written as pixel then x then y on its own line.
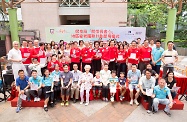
pixel 56 73
pixel 161 93
pixel 134 76
pixel 157 54
pixel 47 81
pixel 22 83
pixel 37 80
pixel 122 81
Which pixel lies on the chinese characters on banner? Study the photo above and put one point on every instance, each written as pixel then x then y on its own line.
pixel 87 33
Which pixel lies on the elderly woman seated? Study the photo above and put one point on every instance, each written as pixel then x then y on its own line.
pixel 86 84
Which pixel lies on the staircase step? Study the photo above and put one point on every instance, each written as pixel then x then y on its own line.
pixel 27 104
pixel 178 106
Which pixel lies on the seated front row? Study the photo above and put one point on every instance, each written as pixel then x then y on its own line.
pixel 63 83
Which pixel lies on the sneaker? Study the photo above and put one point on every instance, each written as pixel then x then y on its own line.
pixel 62 103
pixel 17 109
pixel 74 101
pixel 35 99
pixel 81 103
pixel 106 99
pixel 67 103
pixel 52 105
pixel 112 99
pixel 86 104
pixel 38 99
pixel 131 102
pixel 168 113
pixel 136 102
pixel 45 109
pixel 148 111
pixel 121 98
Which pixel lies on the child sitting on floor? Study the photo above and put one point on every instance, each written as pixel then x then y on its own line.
pixel 113 81
pixel 97 84
pixel 122 81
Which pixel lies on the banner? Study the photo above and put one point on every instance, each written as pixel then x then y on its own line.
pixel 88 33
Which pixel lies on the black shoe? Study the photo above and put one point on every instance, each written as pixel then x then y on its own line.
pixel 167 113
pixel 45 109
pixel 52 105
pixel 74 101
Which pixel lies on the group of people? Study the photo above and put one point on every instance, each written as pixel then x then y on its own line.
pixel 68 69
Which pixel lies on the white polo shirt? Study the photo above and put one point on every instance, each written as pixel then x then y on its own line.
pixel 14 54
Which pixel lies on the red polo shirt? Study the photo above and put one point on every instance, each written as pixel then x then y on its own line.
pixel 131 53
pixel 51 65
pixel 24 52
pixel 105 53
pixel 75 54
pixel 113 52
pixel 97 54
pixel 87 55
pixel 121 53
pixel 145 53
pixel 37 49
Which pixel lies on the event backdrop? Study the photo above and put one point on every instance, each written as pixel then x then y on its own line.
pixel 88 33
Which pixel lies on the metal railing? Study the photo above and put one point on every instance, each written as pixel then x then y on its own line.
pixel 74 3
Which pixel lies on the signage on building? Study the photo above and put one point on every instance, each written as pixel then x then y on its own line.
pixel 88 33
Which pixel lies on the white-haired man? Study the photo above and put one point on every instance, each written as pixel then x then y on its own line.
pixel 14 55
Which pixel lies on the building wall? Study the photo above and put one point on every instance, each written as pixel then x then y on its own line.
pixel 107 14
pixel 37 16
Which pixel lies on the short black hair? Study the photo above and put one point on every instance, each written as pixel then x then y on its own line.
pixel 54 55
pixel 158 41
pixel 133 41
pixel 65 65
pixel 105 64
pixel 169 42
pixel 41 44
pixel 148 70
pixel 138 38
pixel 81 41
pixel 122 73
pixel 113 71
pixel 148 64
pixel 20 71
pixel 134 65
pixel 33 71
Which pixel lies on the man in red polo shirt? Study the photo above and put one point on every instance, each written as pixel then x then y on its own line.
pixel 105 57
pixel 36 46
pixel 113 55
pixel 145 55
pixel 133 55
pixel 87 55
pixel 75 54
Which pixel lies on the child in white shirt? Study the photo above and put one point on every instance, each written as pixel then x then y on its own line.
pixel 97 84
pixel 113 81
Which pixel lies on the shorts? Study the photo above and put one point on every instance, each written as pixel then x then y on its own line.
pixel 122 86
pixel 112 89
pixel 97 87
pixel 46 89
pixel 133 86
pixel 66 91
pixel 56 88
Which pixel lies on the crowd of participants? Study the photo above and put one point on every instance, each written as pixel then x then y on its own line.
pixel 63 71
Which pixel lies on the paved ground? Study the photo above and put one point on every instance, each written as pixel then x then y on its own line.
pixel 96 111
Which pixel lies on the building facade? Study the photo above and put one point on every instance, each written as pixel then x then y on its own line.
pixel 52 13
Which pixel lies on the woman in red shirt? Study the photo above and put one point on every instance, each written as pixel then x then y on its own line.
pixel 75 54
pixel 51 64
pixel 113 55
pixel 121 60
pixel 96 63
pixel 105 57
pixel 87 55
